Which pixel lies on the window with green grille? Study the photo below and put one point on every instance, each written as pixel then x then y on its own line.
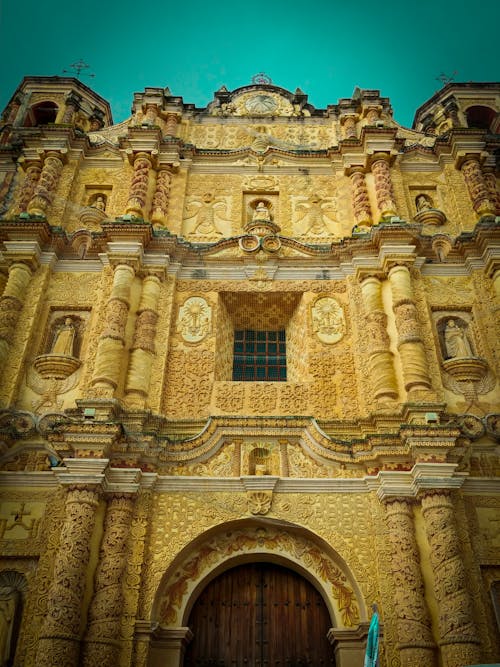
pixel 259 356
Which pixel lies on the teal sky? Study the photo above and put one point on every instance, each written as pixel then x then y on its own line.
pixel 325 48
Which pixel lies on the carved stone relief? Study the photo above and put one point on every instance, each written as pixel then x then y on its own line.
pixel 194 320
pixel 328 322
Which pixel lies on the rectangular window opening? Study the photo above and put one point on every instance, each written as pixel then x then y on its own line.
pixel 259 356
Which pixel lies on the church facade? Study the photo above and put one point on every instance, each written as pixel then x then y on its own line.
pixel 249 379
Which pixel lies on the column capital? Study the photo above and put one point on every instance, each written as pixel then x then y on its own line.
pixel 82 472
pixel 23 252
pixel 422 478
pixel 122 481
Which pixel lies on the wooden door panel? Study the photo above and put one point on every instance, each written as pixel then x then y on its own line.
pixel 259 615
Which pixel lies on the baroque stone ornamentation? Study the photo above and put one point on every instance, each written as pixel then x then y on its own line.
pixel 238 542
pixel 60 630
pixel 46 185
pixel 328 322
pixel 194 319
pixel 457 629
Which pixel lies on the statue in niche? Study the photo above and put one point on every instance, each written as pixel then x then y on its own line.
pixel 456 342
pixel 314 212
pixel 205 213
pixel 423 202
pixel 64 339
pixel 99 202
pixel 9 600
pixel 261 212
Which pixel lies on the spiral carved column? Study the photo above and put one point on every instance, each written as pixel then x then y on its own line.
pixel 143 348
pixel 139 187
pixel 457 629
pixel 112 341
pixel 360 198
pixel 477 187
pixel 59 642
pixel 33 171
pixel 47 184
pixel 383 185
pixel 491 184
pixel 381 359
pixel 415 640
pixel 72 104
pixel 11 304
pixel 102 644
pixel 410 345
pixel 161 195
pixel 172 120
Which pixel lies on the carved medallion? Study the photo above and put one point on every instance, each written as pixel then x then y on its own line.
pixel 194 319
pixel 328 320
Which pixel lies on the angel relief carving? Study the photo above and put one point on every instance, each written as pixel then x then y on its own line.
pixel 205 216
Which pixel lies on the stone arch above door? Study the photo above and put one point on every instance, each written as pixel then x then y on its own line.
pixel 229 545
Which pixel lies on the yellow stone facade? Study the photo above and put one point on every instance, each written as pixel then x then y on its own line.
pixel 134 464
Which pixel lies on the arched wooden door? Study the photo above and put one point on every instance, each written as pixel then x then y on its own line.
pixel 256 615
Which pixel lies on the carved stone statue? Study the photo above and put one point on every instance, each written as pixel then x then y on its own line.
pixel 99 203
pixel 261 212
pixel 423 202
pixel 456 341
pixel 64 339
pixel 8 603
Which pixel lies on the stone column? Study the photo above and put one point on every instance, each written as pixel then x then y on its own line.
pixel 139 187
pixel 33 171
pixel 11 303
pixel 161 195
pixel 360 198
pixel 382 375
pixel 476 185
pixel 172 120
pixel 491 184
pixel 415 640
pixel 111 345
pixel 102 641
pixel 410 345
pixel 72 105
pixel 151 114
pixel 383 184
pixel 47 184
pixel 143 347
pixel 348 122
pixel 457 629
pixel 372 114
pixel 59 639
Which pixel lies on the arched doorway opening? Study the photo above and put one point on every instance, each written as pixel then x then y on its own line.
pixel 259 613
pixel 165 637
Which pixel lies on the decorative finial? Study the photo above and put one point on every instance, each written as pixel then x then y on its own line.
pixel 261 78
pixel 78 67
pixel 445 78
